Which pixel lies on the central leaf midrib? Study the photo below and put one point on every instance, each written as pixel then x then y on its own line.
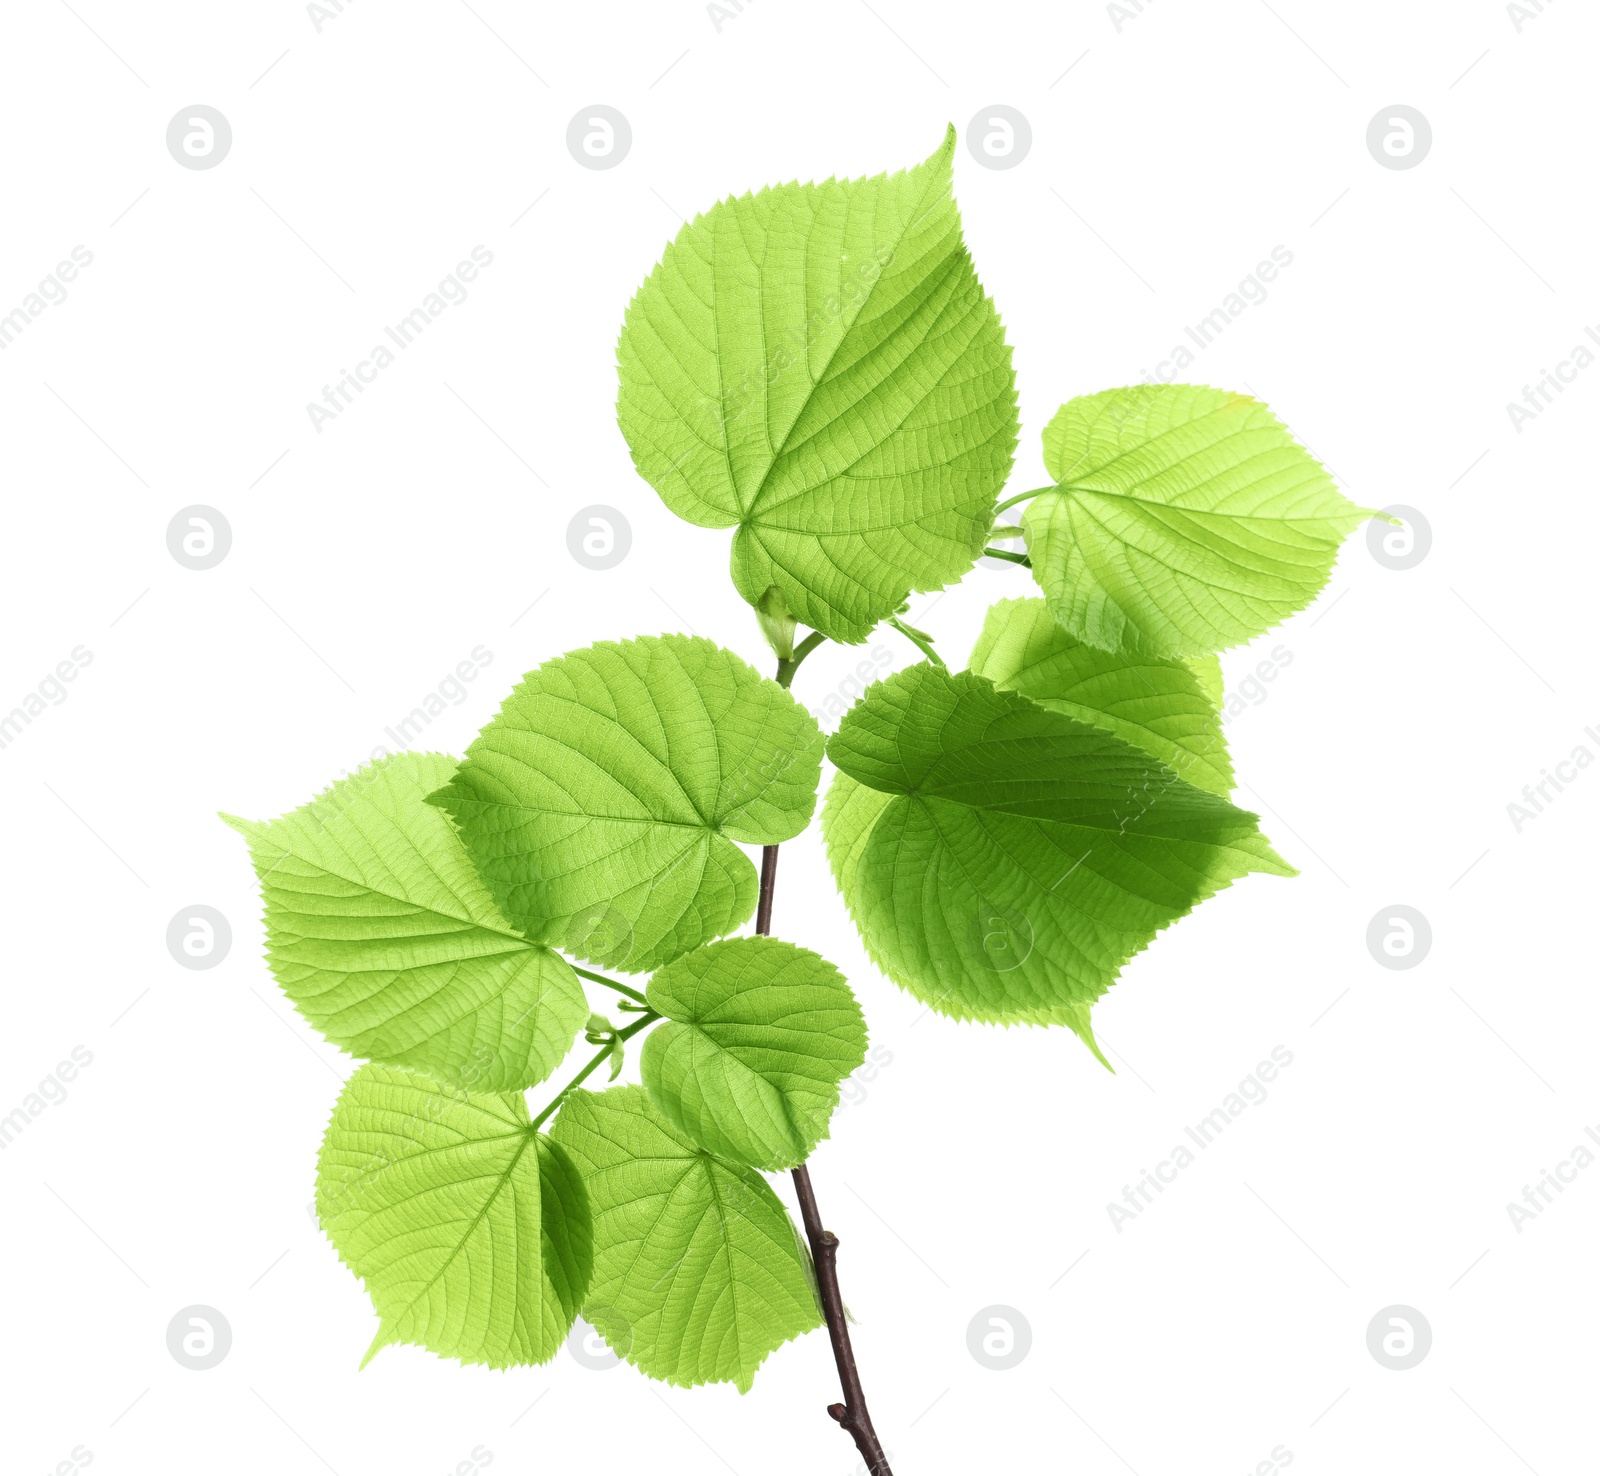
pixel 748 506
pixel 1073 488
pixel 528 1137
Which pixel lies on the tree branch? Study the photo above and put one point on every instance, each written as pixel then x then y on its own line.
pixel 852 1415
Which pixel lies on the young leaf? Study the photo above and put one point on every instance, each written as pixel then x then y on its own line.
pixel 1185 520
pixel 1012 859
pixel 698 1272
pixel 382 935
pixel 471 1231
pixel 1159 706
pixel 759 1035
pixel 817 367
pixel 602 802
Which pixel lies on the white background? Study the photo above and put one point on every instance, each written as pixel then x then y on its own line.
pixel 1169 156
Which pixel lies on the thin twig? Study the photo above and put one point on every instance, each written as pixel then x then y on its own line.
pixel 851 1415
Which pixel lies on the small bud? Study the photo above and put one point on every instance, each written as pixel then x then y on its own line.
pixel 777 624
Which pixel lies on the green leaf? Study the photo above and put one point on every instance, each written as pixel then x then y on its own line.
pixel 1185 520
pixel 602 802
pixel 848 817
pixel 471 1231
pixel 698 1271
pixel 1159 706
pixel 1003 861
pixel 759 1036
pixel 817 367
pixel 1208 672
pixel 382 935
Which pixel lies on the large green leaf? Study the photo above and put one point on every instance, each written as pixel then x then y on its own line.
pixel 1159 706
pixel 759 1035
pixel 602 802
pixel 1003 861
pixel 1185 520
pixel 817 367
pixel 383 936
pixel 698 1272
pixel 471 1230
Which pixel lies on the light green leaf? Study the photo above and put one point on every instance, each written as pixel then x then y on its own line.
pixel 471 1230
pixel 383 936
pixel 1185 520
pixel 817 367
pixel 1003 861
pixel 698 1271
pixel 759 1035
pixel 602 802
pixel 1208 672
pixel 1159 706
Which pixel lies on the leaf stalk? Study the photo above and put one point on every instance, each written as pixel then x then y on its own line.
pixel 789 665
pixel 918 639
pixel 595 1062
pixel 609 983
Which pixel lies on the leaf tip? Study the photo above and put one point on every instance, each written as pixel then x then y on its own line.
pixel 251 830
pixel 379 1343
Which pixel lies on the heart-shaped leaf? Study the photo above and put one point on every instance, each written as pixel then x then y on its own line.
pixel 384 937
pixel 759 1035
pixel 471 1230
pixel 1004 861
pixel 817 367
pixel 602 803
pixel 698 1272
pixel 1185 520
